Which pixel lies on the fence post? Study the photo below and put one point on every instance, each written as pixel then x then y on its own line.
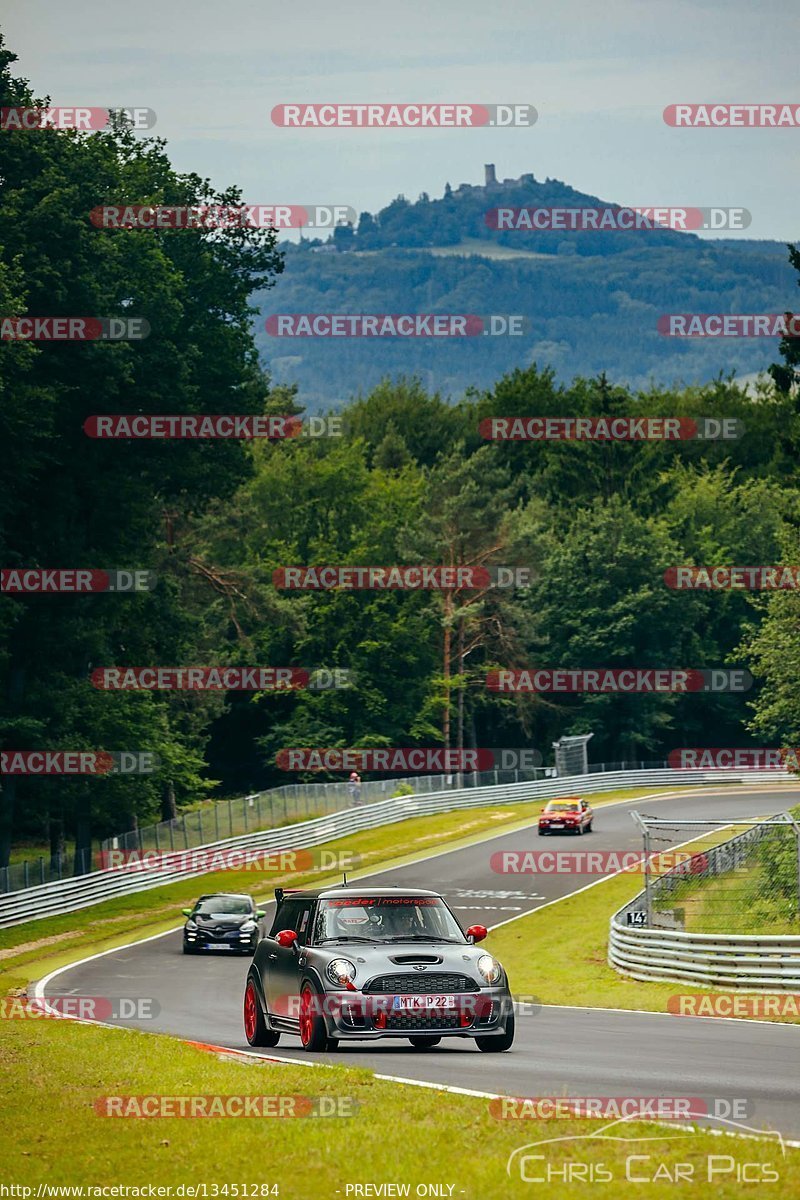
pixel 172 834
pixel 216 821
pixel 25 872
pixel 245 806
pixel 200 824
pixel 41 870
pixel 258 809
pixel 155 830
pixel 185 833
pixel 648 902
pixel 230 816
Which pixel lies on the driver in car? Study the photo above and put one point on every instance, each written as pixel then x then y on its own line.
pixel 403 922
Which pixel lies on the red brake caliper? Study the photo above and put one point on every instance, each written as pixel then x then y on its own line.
pixel 305 1016
pixel 249 1010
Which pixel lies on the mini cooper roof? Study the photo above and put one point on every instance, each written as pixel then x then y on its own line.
pixel 336 892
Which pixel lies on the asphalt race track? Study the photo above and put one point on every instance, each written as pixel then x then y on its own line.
pixel 558 1051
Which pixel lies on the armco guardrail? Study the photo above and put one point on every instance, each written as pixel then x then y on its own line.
pixel 709 959
pixel 84 890
pixel 268 810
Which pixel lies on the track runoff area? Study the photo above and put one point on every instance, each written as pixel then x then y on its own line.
pixel 558 1051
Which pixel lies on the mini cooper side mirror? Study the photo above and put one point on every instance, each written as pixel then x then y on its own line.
pixel 187 912
pixel 287 937
pixel 477 932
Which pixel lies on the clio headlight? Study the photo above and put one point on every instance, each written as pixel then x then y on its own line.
pixel 191 926
pixel 340 971
pixel 248 926
pixel 489 968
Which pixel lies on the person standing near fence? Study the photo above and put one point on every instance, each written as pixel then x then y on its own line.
pixel 354 787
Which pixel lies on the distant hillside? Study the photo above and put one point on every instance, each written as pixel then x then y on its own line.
pixel 591 299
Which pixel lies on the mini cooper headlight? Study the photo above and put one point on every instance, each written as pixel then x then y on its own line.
pixel 340 970
pixel 489 968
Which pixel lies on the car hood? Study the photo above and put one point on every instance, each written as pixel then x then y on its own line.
pixel 399 958
pixel 208 920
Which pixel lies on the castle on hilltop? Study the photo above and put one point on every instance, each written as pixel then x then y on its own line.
pixel 491 181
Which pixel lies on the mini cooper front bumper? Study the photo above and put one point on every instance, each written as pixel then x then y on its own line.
pixel 373 1015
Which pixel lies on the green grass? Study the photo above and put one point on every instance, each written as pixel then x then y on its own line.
pixel 52 1073
pixel 739 903
pixel 559 953
pixel 759 896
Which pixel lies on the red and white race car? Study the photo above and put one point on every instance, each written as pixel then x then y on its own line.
pixel 570 814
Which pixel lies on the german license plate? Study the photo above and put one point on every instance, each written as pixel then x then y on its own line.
pixel 417 1003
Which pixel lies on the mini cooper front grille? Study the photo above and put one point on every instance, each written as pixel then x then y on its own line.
pixel 421 983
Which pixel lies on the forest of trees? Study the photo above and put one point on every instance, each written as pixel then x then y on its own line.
pixel 410 480
pixel 591 300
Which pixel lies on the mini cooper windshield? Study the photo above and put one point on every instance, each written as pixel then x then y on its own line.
pixel 386 919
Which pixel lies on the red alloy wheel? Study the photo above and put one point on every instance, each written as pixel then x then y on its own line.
pixel 250 1011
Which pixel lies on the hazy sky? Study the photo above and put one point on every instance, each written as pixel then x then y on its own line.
pixel 598 74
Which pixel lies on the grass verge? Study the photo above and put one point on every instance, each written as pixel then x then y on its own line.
pixel 52 1073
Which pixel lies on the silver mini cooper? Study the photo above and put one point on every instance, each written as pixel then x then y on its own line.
pixel 362 963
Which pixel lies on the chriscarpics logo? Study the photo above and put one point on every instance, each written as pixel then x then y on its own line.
pixel 630 1152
